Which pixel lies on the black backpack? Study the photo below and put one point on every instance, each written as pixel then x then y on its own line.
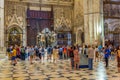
pixel 37 50
pixel 8 50
pixel 22 50
pixel 71 53
pixel 42 50
pixel 49 49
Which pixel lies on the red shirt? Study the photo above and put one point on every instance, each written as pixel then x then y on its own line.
pixel 18 51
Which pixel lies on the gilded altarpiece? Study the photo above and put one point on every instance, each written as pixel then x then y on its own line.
pixel 15 18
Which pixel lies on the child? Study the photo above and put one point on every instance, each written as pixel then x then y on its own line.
pixel 14 53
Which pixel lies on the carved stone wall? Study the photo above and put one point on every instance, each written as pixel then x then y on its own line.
pixel 15 13
pixel 62 17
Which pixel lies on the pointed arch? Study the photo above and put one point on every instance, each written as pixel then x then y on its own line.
pixel 14 35
pixel 17 27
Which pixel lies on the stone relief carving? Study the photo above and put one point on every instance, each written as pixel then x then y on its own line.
pixel 14 20
pixel 14 14
pixel 62 16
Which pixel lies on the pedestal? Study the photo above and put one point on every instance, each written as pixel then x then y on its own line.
pixel 2 50
pixel 83 61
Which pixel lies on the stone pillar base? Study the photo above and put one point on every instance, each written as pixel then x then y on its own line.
pixel 2 50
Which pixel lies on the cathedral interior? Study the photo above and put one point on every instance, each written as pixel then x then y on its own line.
pixel 58 22
pixel 25 22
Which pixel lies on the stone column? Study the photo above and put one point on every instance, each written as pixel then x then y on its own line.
pixel 78 20
pixel 86 22
pixel 93 21
pixel 2 26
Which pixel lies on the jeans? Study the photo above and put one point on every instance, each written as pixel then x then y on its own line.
pixel 72 62
pixel 26 55
pixel 90 63
pixel 106 61
pixel 118 61
pixel 23 56
pixel 60 54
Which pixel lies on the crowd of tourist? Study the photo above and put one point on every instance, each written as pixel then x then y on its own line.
pixel 72 53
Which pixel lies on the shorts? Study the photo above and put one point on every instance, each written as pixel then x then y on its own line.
pixel 31 56
pixel 49 54
pixel 42 54
pixel 13 57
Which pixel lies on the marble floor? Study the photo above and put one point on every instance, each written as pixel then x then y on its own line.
pixel 60 71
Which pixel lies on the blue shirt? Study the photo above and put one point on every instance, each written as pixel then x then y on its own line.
pixel 107 53
pixel 49 50
pixel 100 48
pixel 61 49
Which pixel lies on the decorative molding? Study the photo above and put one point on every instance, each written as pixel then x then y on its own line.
pixel 15 20
pixel 44 2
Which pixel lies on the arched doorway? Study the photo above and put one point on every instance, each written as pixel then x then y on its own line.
pixel 116 36
pixel 14 36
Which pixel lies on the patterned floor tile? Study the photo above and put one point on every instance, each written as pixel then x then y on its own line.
pixel 60 71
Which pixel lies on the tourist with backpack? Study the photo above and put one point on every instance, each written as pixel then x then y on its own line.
pixel 43 53
pixel 18 53
pixel 40 53
pixel 76 58
pixel 13 56
pixel 106 56
pixel 9 49
pixel 36 52
pixel 49 53
pixel 118 59
pixel 26 53
pixel 60 53
pixel 22 53
pixel 90 57
pixel 71 55
pixel 31 51
pixel 64 52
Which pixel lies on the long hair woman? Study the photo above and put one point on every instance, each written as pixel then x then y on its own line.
pixel 118 59
pixel 76 58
